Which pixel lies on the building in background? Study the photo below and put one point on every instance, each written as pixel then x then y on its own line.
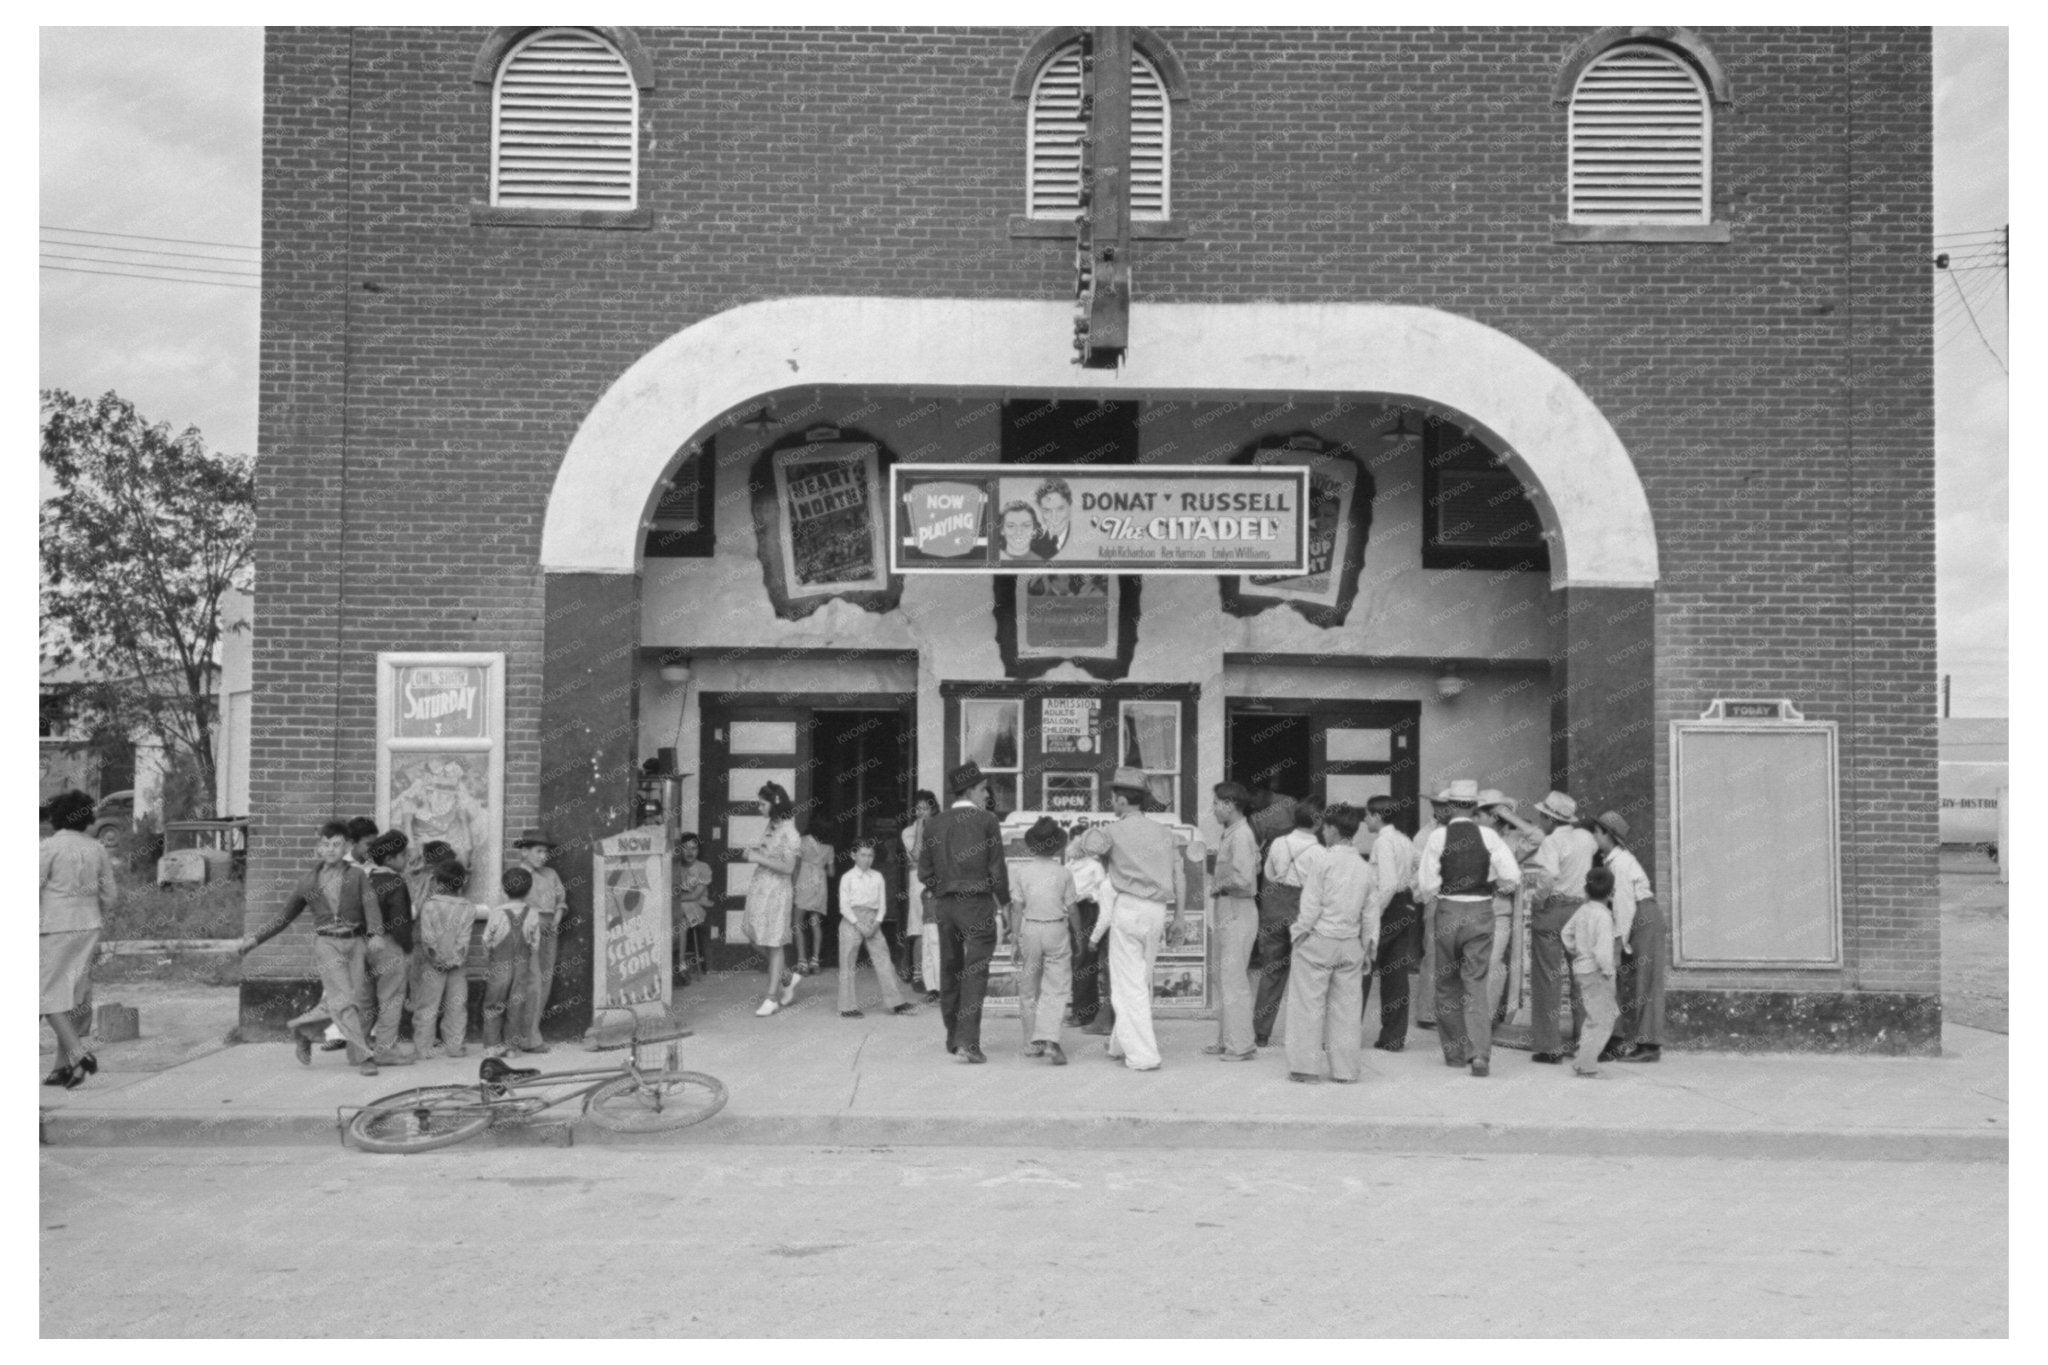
pixel 588 353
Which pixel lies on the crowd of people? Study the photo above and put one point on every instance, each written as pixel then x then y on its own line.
pixel 1311 907
pixel 392 931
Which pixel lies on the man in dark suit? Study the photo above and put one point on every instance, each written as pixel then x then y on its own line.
pixel 962 866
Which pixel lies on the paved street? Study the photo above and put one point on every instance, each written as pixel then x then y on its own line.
pixel 729 1241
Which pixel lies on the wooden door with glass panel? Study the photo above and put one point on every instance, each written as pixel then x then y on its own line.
pixel 745 747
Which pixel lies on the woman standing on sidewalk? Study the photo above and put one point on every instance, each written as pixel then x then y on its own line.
pixel 772 892
pixel 78 886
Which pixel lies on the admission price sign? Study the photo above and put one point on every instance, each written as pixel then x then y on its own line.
pixel 630 882
pixel 1039 519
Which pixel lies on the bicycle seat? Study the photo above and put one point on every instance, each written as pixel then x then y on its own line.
pixel 493 1071
pixel 667 1033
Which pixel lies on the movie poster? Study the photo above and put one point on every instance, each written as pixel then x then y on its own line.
pixel 831 518
pixel 1333 486
pixel 441 755
pixel 444 796
pixel 1068 615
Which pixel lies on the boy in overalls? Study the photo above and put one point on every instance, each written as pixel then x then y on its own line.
pixel 511 938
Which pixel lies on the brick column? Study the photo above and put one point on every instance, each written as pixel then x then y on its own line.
pixel 589 735
pixel 1603 726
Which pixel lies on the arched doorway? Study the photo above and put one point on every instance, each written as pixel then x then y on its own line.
pixel 1601 543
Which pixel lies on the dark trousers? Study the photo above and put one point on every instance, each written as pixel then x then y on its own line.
pixel 1550 974
pixel 1090 966
pixel 1642 979
pixel 1400 953
pixel 967 937
pixel 1278 905
pixel 1464 957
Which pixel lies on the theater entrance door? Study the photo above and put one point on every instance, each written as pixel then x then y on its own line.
pixel 1332 750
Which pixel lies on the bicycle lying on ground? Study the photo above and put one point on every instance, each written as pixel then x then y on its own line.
pixel 627 1098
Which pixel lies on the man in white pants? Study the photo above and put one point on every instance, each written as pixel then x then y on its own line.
pixel 1145 884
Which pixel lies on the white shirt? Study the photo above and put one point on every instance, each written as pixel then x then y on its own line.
pixel 1393 865
pixel 1291 857
pixel 1564 859
pixel 1589 937
pixel 1429 875
pixel 1631 885
pixel 863 889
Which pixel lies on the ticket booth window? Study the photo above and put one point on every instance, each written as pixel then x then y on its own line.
pixel 991 735
pixel 1151 741
pixel 1056 746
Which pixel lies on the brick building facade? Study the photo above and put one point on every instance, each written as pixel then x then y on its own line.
pixel 1725 426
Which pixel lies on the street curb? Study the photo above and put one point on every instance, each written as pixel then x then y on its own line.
pixel 1426 1136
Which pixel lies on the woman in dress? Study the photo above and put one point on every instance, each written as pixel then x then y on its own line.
pixel 78 886
pixel 772 892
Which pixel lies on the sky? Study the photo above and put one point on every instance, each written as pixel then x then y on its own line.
pixel 156 133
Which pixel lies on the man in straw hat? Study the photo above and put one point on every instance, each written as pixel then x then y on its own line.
pixel 961 863
pixel 1464 865
pixel 1559 871
pixel 1640 927
pixel 1146 882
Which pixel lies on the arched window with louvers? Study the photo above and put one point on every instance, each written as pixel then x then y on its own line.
pixel 1053 153
pixel 1641 131
pixel 565 124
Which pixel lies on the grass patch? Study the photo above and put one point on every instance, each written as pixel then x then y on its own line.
pixel 213 910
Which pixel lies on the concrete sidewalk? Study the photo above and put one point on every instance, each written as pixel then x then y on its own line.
pixel 806 1076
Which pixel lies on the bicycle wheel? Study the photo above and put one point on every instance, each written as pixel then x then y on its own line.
pixel 655 1100
pixel 420 1120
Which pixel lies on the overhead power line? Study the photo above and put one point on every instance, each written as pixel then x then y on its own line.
pixel 147 251
pixel 144 237
pixel 1979 326
pixel 153 265
pixel 163 279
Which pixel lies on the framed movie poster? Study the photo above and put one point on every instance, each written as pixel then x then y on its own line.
pixel 441 753
pixel 819 518
pixel 1088 619
pixel 1339 520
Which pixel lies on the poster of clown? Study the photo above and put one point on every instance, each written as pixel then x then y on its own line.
pixel 441 756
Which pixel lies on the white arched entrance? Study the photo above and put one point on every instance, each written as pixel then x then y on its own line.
pixel 1580 477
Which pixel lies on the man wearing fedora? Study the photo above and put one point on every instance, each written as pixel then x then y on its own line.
pixel 1463 867
pixel 1559 870
pixel 961 864
pixel 1145 883
pixel 1640 928
pixel 550 901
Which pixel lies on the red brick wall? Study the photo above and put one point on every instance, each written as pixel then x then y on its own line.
pixel 1775 391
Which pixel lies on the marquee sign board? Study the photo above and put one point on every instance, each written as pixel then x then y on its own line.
pixel 1039 519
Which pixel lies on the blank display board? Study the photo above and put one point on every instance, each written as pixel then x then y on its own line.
pixel 1756 866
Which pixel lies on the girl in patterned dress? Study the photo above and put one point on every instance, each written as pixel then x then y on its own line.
pixel 771 894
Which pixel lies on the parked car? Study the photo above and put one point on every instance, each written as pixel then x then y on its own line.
pixel 200 851
pixel 113 817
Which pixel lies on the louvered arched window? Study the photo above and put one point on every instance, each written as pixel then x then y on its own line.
pixel 565 125
pixel 1053 158
pixel 1642 140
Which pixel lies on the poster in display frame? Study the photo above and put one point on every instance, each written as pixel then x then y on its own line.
pixel 1095 629
pixel 1341 492
pixel 819 522
pixel 448 785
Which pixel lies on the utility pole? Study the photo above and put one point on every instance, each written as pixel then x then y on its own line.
pixel 1102 255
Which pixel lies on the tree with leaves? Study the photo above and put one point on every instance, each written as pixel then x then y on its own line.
pixel 145 536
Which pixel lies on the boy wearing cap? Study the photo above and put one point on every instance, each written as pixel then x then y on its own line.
pixel 1464 866
pixel 961 862
pixel 1146 883
pixel 1640 929
pixel 548 901
pixel 1043 907
pixel 1559 871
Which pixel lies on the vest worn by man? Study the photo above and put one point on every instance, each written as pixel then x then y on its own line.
pixel 1466 865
